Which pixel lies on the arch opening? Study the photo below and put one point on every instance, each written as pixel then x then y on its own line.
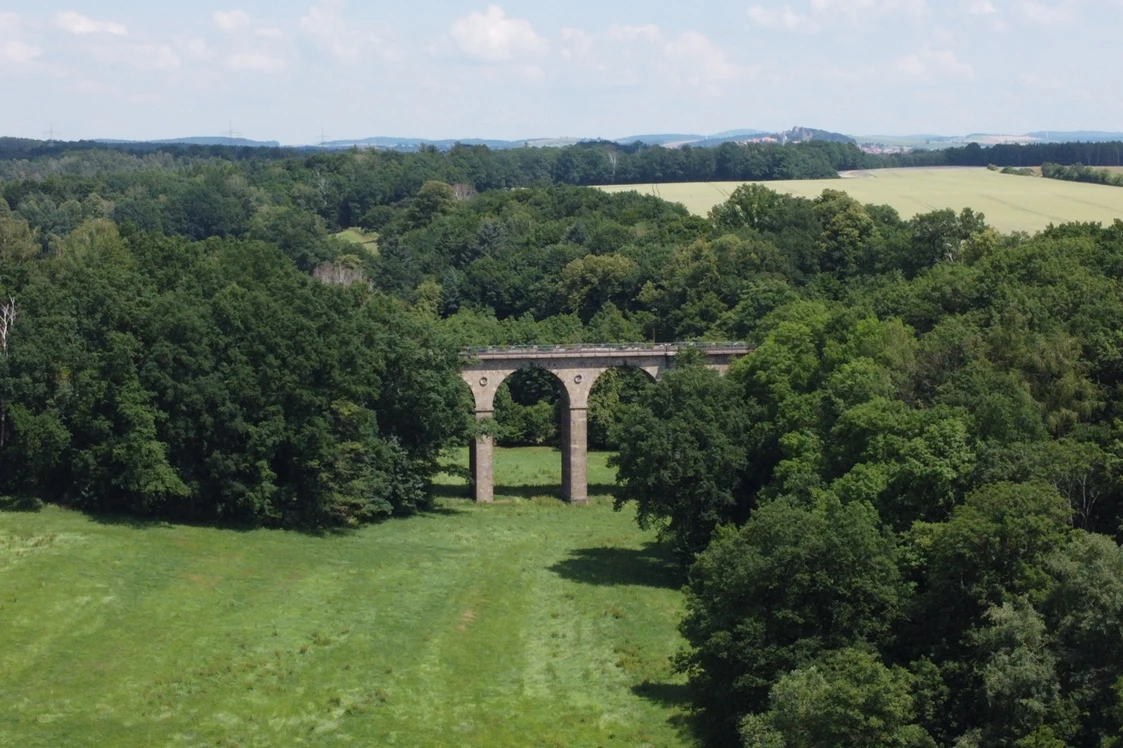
pixel 528 408
pixel 526 429
pixel 615 390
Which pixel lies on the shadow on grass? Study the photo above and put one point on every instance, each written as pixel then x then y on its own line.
pixel 438 510
pixel 664 694
pixel 650 566
pixel 533 491
pixel 134 522
pixel 20 504
pixel 148 523
pixel 446 491
pixel 686 722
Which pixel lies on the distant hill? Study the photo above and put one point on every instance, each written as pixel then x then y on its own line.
pixel 661 138
pixel 795 135
pixel 1085 136
pixel 405 144
pixel 231 142
pixel 737 134
pixel 413 144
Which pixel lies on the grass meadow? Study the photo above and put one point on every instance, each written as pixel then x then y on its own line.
pixel 364 240
pixel 1011 203
pixel 529 622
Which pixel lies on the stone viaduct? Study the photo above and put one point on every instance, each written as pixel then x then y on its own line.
pixel 578 367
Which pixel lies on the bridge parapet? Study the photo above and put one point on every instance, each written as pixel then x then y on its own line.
pixel 578 367
pixel 609 349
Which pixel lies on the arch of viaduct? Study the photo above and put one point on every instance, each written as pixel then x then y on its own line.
pixel 578 368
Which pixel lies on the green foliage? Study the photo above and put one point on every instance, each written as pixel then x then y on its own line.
pixel 1018 673
pixel 846 697
pixel 792 583
pixel 201 382
pixel 1081 173
pixel 680 460
pixel 609 401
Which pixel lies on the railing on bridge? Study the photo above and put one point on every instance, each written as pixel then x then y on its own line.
pixel 594 347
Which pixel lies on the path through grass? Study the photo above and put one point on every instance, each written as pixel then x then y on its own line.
pixel 525 623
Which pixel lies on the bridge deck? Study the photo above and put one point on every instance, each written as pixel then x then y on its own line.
pixel 607 351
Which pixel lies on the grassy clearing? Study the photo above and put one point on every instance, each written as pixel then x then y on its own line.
pixel 1011 203
pixel 527 473
pixel 366 241
pixel 525 623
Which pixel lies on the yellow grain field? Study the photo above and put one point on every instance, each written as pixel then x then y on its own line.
pixel 1010 203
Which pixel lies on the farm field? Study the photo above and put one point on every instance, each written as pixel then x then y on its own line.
pixel 1010 203
pixel 525 623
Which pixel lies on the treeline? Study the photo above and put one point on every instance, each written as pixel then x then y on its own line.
pixel 590 163
pixel 212 380
pixel 1081 173
pixel 1012 154
pixel 27 150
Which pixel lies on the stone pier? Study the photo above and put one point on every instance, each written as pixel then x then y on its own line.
pixel 578 368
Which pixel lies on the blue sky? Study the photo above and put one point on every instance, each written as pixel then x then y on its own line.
pixel 287 69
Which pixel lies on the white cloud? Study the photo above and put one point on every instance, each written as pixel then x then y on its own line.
pixel 141 56
pixel 1044 14
pixel 326 25
pixel 982 8
pixel 647 33
pixel 576 44
pixel 930 63
pixel 780 18
pixel 255 62
pixel 821 13
pixel 269 33
pixel 694 59
pixel 76 23
pixel 19 52
pixel 1041 82
pixel 689 59
pixel 13 49
pixel 856 8
pixel 231 20
pixel 493 37
pixel 196 48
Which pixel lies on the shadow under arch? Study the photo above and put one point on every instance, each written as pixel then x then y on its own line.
pixel 616 389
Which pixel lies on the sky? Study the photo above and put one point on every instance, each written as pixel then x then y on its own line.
pixel 296 70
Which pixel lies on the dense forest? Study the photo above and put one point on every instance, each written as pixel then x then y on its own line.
pixel 898 518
